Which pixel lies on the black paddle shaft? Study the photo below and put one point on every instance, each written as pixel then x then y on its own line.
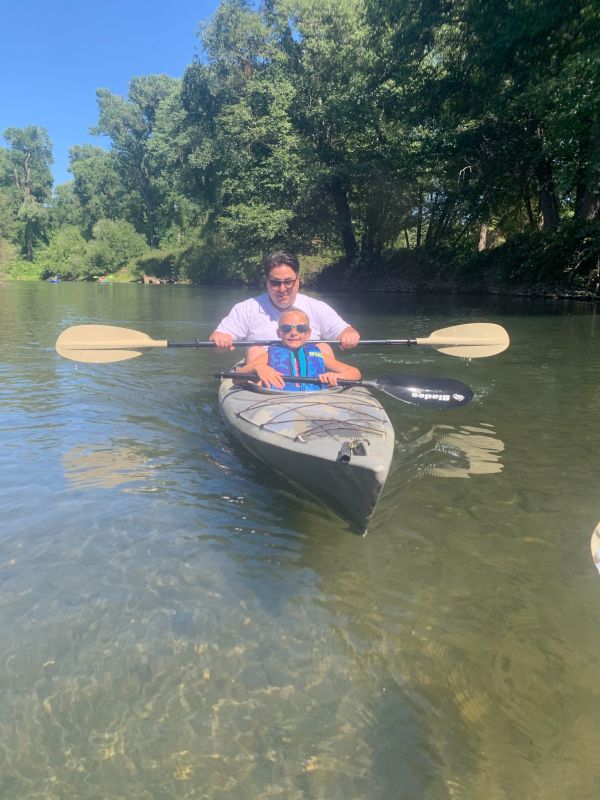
pixel 267 342
pixel 417 390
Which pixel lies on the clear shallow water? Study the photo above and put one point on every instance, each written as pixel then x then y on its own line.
pixel 176 622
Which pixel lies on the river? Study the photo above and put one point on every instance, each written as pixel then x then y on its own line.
pixel 178 623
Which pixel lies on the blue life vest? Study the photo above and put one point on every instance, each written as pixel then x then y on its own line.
pixel 306 361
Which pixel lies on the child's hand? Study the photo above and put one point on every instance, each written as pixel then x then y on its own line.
pixel 269 378
pixel 330 378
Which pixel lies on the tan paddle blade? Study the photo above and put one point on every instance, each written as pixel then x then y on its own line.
pixel 473 340
pixel 595 545
pixel 103 344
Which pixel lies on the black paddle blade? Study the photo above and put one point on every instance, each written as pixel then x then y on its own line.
pixel 419 390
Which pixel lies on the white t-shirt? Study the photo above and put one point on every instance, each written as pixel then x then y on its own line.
pixel 256 319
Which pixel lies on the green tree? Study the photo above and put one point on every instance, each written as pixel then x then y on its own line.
pixel 26 168
pixel 288 145
pixel 97 185
pixel 182 201
pixel 65 207
pixel 496 89
pixel 244 154
pixel 327 62
pixel 130 124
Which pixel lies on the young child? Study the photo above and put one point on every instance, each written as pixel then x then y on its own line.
pixel 294 357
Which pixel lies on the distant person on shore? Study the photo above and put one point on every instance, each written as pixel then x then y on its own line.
pixel 257 318
pixel 293 356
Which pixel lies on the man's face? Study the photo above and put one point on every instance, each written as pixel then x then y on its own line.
pixel 288 332
pixel 283 295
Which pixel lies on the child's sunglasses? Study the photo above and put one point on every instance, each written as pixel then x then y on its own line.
pixel 301 327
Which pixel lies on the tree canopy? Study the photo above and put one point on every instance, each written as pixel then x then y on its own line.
pixel 358 130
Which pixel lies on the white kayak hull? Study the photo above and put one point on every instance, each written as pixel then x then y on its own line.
pixel 336 444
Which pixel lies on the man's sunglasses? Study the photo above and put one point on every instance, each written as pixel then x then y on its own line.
pixel 301 327
pixel 287 282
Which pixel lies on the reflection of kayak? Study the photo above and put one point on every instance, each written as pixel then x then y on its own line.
pixel 335 444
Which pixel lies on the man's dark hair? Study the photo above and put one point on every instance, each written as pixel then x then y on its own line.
pixel 279 258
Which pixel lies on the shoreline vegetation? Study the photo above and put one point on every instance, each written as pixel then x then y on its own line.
pixel 394 146
pixel 529 272
pixel 402 280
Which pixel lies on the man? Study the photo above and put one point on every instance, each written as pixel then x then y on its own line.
pixel 257 318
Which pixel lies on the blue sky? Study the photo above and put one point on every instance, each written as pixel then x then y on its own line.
pixel 54 54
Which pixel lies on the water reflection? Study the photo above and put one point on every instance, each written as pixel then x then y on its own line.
pixel 439 451
pixel 464 451
pixel 104 467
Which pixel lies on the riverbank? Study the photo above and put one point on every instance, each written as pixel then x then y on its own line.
pixel 563 264
pixel 338 279
pixel 392 283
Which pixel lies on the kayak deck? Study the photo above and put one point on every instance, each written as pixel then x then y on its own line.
pixel 300 420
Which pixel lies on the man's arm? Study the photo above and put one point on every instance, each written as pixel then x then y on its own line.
pixel 332 326
pixel 231 327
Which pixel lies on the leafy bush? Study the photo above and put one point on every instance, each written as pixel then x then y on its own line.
pixel 566 257
pixel 216 261
pixel 8 255
pixel 158 263
pixel 255 227
pixel 114 244
pixel 65 254
pixel 23 270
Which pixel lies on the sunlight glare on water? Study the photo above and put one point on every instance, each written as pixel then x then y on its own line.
pixel 178 622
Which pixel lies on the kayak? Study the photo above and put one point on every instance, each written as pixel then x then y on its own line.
pixel 336 444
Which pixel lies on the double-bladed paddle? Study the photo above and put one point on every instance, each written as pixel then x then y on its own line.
pixel 418 390
pixel 103 344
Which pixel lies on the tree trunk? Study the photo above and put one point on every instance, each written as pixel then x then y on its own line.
pixel 587 204
pixel 547 196
pixel 144 186
pixel 464 230
pixel 28 242
pixel 528 207
pixel 371 245
pixel 368 244
pixel 483 231
pixel 548 203
pixel 344 220
pixel 420 218
pixel 587 201
pixel 440 228
pixel 432 222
